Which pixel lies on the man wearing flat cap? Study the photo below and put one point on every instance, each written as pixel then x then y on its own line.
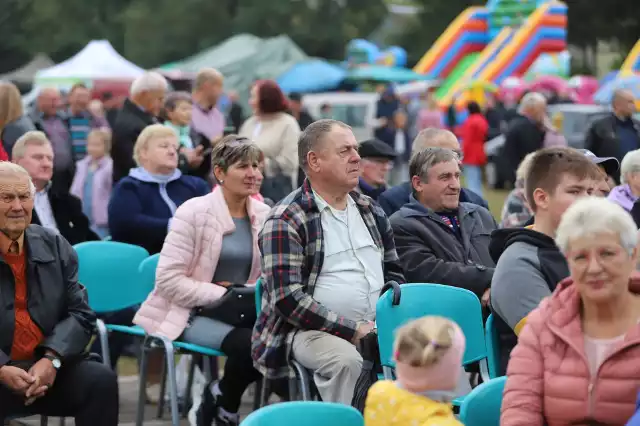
pixel 377 159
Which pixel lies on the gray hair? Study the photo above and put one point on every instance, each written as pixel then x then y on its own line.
pixel 312 135
pixel 13 169
pixel 595 215
pixel 531 99
pixel 32 137
pixel 429 137
pixel 630 164
pixel 147 82
pixel 424 160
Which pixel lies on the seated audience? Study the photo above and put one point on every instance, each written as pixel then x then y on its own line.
pixel 144 202
pixel 326 252
pixel 576 362
pixel 628 192
pixel 192 157
pixel 516 211
pixel 439 239
pixel 528 263
pixel 211 246
pixel 377 159
pixel 93 181
pixel 46 323
pixel 54 208
pixel 393 198
pixel 428 354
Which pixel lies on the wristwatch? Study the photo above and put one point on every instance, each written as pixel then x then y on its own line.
pixel 55 361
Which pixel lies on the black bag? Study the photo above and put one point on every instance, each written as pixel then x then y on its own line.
pixel 237 307
pixel 368 348
pixel 276 187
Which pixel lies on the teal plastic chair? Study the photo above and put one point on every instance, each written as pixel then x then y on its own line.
pixel 482 406
pixel 307 413
pixel 493 347
pixel 400 304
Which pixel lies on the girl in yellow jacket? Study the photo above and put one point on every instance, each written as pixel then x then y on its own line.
pixel 428 355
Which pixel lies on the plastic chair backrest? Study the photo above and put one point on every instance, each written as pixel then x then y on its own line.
pixel 147 273
pixel 493 347
pixel 481 407
pixel 109 271
pixel 258 296
pixel 418 300
pixel 307 413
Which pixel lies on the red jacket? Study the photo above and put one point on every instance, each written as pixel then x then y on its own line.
pixel 474 134
pixel 548 378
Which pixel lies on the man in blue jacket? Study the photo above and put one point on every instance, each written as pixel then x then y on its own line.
pixel 393 198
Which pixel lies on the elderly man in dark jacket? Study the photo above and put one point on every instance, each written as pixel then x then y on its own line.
pixel 440 240
pixel 140 110
pixel 395 197
pixel 47 323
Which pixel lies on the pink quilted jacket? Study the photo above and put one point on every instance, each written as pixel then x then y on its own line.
pixel 548 380
pixel 188 261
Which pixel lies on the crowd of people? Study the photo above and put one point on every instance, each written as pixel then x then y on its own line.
pixel 302 207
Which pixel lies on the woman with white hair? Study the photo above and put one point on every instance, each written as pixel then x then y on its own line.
pixel 576 361
pixel 143 203
pixel 628 192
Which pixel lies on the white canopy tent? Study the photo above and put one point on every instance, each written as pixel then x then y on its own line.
pixel 98 60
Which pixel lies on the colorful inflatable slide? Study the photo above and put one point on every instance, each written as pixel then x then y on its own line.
pixel 631 65
pixel 492 43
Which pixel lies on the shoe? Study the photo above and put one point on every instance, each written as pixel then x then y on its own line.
pixel 208 409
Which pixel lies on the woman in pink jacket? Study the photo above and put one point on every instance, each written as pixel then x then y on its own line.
pixel 211 246
pixel 577 359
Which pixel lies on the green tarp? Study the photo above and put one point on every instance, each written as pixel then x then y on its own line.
pixel 244 58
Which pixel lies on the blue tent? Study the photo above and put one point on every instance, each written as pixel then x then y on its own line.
pixel 314 75
pixel 632 83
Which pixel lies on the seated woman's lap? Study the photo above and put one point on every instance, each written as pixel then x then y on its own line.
pixel 206 332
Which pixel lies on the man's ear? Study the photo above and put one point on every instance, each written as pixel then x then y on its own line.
pixel 416 183
pixel 312 161
pixel 541 199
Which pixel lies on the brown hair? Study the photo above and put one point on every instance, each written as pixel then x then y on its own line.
pixel 422 342
pixel 174 98
pixel 234 149
pixel 10 104
pixel 549 165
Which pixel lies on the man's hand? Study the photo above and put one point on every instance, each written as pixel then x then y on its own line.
pixel 44 374
pixel 362 330
pixel 194 156
pixel 485 297
pixel 16 379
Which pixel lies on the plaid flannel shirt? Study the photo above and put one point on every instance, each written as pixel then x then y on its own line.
pixel 516 211
pixel 292 252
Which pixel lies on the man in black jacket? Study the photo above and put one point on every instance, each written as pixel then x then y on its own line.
pixel 47 323
pixel 139 110
pixel 525 134
pixel 53 208
pixel 617 133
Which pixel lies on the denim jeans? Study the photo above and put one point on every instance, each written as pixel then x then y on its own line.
pixel 473 178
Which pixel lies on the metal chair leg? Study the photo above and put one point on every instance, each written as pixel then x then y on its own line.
pixel 303 378
pixel 265 390
pixel 257 394
pixel 163 391
pixel 62 421
pixel 173 386
pixel 142 385
pixel 187 392
pixel 103 335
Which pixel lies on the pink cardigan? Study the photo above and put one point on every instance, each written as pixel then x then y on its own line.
pixel 548 379
pixel 188 261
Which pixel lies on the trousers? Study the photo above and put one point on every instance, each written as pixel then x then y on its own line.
pixel 86 390
pixel 335 362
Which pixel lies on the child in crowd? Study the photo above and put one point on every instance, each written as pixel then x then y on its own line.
pixel 428 355
pixel 93 182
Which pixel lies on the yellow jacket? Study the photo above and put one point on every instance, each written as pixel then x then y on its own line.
pixel 388 405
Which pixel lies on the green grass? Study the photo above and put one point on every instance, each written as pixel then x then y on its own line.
pixel 495 198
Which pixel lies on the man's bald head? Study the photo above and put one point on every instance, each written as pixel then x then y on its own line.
pixel 49 100
pixel 623 103
pixel 435 138
pixel 207 87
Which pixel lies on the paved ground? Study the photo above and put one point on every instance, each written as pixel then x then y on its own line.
pixel 128 405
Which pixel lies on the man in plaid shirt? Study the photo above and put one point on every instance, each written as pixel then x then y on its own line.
pixel 326 253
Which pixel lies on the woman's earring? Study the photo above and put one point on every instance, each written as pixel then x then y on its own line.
pixel 221 182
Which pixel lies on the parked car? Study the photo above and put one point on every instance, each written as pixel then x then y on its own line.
pixel 358 110
pixel 575 123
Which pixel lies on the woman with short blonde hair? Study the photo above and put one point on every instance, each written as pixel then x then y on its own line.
pixel 576 361
pixel 13 122
pixel 143 203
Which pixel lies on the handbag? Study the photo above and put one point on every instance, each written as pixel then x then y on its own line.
pixel 368 348
pixel 237 307
pixel 277 186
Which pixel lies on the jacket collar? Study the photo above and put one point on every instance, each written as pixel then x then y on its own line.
pixel 308 201
pixel 415 208
pixel 36 249
pixel 224 217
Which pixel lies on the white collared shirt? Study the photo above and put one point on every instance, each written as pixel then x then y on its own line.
pixel 351 277
pixel 43 209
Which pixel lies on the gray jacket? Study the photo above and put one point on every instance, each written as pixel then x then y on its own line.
pixel 12 132
pixel 430 252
